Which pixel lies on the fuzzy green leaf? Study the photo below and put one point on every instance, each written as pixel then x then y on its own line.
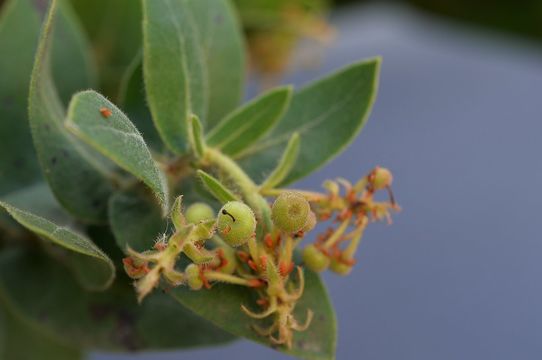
pixel 19 33
pixel 223 50
pixel 110 320
pixel 222 306
pixel 132 100
pixel 216 188
pixel 184 61
pixel 22 340
pixel 248 124
pixel 114 135
pixel 92 267
pixel 79 179
pixel 327 114
pixel 286 163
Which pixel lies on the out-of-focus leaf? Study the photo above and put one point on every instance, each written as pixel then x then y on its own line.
pixel 110 320
pixel 21 340
pixel 327 114
pixel 188 48
pixel 99 123
pixel 285 165
pixel 248 124
pixel 135 221
pixel 19 32
pixel 92 267
pixel 79 179
pixel 222 306
pixel 114 30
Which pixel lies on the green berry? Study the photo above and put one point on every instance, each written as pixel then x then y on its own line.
pixel 199 212
pixel 314 259
pixel 236 223
pixel 290 212
pixel 340 267
pixel 193 277
pixel 381 178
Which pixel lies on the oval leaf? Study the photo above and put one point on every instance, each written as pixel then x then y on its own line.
pixel 223 50
pixel 80 181
pixel 173 68
pixel 110 320
pixel 99 123
pixel 222 306
pixel 246 125
pixel 93 268
pixel 327 115
pixel 192 62
pixel 19 33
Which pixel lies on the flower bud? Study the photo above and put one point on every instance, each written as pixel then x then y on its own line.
pixel 339 267
pixel 198 212
pixel 193 277
pixel 314 259
pixel 236 223
pixel 290 212
pixel 380 178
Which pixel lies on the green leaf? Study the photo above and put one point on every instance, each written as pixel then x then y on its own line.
pixel 197 142
pixel 132 101
pixel 135 221
pixel 92 267
pixel 327 114
pixel 21 340
pixel 286 162
pixel 110 320
pixel 36 198
pixel 224 51
pixel 248 124
pixel 216 188
pixel 114 135
pixel 192 62
pixel 222 306
pixel 173 68
pixel 78 178
pixel 19 32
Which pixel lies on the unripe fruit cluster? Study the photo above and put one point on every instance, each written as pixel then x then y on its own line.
pixel 199 212
pixel 380 178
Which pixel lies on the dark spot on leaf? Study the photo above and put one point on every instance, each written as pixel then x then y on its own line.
pixel 47 127
pixel 65 153
pixel 321 318
pixel 125 333
pixel 53 160
pixel 301 344
pixel 219 19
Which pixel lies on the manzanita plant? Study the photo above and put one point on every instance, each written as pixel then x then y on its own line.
pixel 176 189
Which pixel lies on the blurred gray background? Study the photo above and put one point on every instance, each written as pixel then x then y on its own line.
pixel 459 121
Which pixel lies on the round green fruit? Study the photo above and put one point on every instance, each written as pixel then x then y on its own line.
pixel 199 212
pixel 290 212
pixel 236 223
